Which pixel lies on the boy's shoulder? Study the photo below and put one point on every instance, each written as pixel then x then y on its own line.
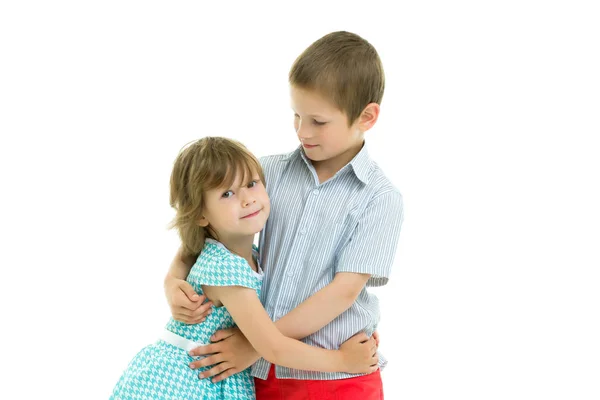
pixel 379 181
pixel 267 161
pixel 274 165
pixel 372 178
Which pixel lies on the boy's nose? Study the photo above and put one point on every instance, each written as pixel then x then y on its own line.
pixel 303 133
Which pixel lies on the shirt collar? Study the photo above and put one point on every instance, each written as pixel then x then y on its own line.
pixel 360 164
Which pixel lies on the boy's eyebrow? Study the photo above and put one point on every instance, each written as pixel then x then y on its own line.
pixel 312 115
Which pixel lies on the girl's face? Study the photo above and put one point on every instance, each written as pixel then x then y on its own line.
pixel 237 211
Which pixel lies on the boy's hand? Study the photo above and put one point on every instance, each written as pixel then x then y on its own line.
pixel 376 337
pixel 186 305
pixel 230 350
pixel 360 354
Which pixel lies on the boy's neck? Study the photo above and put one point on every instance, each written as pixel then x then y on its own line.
pixel 326 169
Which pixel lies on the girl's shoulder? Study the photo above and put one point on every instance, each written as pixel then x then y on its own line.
pixel 217 266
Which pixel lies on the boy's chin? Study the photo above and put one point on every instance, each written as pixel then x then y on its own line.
pixel 314 157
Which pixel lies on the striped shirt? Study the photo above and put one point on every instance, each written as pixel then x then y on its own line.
pixel 350 223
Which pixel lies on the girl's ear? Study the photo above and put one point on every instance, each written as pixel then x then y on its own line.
pixel 203 222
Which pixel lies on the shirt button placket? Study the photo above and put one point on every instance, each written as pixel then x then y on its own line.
pixel 302 232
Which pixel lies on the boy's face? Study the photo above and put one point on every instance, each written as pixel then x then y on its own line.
pixel 237 211
pixel 323 129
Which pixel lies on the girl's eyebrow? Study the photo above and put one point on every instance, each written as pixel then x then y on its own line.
pixel 252 178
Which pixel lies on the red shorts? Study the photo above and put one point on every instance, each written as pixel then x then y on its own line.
pixel 366 387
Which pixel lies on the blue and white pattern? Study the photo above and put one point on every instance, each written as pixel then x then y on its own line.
pixel 161 371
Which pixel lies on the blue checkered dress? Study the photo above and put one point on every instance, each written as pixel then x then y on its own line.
pixel 161 370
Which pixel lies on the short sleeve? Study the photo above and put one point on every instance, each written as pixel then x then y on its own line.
pixel 224 269
pixel 372 246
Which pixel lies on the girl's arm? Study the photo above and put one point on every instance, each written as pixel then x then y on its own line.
pixel 248 313
pixel 324 306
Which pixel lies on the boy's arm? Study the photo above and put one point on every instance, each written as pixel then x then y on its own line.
pixel 366 258
pixel 186 305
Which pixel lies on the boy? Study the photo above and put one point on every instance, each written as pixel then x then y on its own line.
pixel 333 229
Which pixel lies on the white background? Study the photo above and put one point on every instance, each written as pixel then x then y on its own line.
pixel 488 127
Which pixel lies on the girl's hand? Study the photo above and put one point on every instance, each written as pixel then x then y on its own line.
pixel 360 354
pixel 186 305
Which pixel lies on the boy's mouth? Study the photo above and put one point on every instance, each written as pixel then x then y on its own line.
pixel 309 146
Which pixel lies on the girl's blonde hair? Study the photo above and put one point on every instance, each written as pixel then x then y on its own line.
pixel 208 163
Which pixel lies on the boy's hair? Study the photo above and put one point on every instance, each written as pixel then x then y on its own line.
pixel 344 68
pixel 208 163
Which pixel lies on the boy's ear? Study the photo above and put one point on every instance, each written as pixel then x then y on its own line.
pixel 368 117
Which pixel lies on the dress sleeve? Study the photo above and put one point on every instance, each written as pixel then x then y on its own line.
pixel 225 270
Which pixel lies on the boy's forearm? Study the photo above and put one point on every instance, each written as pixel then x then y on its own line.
pixel 180 266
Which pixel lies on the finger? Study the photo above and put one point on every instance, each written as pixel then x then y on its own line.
pixel 182 318
pixel 206 349
pixel 204 310
pixel 187 316
pixel 190 293
pixel 196 321
pixel 376 337
pixel 207 361
pixel 360 337
pixel 180 300
pixel 225 375
pixel 187 313
pixel 217 369
pixel 195 315
pixel 222 334
pixel 372 344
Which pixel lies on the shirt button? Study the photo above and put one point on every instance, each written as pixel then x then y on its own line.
pixel 302 232
pixel 290 273
pixel 315 192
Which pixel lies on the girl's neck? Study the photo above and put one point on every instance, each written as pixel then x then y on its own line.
pixel 241 246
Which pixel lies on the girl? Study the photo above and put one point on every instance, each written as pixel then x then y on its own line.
pixel 220 200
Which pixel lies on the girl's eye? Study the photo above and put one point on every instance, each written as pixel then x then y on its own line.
pixel 252 184
pixel 227 194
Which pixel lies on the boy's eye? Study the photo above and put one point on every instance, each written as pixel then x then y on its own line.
pixel 253 183
pixel 227 194
pixel 318 123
